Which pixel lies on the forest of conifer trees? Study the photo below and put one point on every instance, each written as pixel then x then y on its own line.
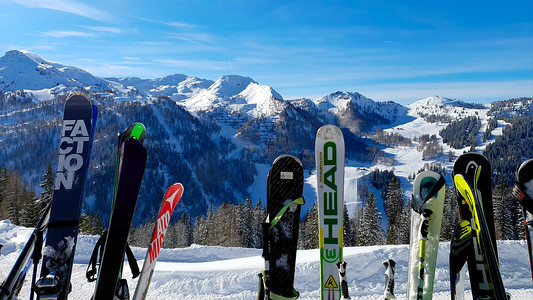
pixel 239 225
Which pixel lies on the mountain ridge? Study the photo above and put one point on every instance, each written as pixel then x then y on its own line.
pixel 219 137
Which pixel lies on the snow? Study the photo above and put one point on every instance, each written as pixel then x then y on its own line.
pixel 209 272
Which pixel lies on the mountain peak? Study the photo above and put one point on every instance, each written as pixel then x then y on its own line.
pixel 26 70
pixel 229 85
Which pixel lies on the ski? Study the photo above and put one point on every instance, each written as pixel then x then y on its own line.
pixel 523 193
pixel 130 173
pixel 329 159
pixel 390 267
pixel 63 224
pixel 467 164
pixel 281 228
pixel 135 131
pixel 427 202
pixel 492 286
pixel 475 170
pixel 170 200
pixel 14 280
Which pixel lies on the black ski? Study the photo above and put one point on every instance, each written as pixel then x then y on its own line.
pixel 523 193
pixel 280 231
pixel 130 173
pixel 476 170
pixel 62 228
pixel 489 284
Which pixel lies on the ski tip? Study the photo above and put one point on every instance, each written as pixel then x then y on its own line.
pixel 77 94
pixel 287 157
pixel 427 185
pixel 329 132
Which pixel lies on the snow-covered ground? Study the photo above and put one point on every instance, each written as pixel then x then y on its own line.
pixel 202 272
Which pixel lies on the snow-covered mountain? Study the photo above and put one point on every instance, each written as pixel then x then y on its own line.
pixel 219 137
pixel 25 70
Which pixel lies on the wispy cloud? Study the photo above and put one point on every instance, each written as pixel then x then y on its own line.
pixel 72 7
pixel 66 33
pixel 171 23
pixel 105 29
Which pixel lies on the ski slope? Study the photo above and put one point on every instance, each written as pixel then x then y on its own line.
pixel 203 272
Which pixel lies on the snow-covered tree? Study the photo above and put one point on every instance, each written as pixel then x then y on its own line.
pixel 370 231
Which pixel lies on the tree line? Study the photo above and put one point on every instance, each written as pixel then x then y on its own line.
pixel 239 225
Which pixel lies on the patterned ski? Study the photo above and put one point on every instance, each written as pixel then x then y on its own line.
pixel 429 189
pixel 329 159
pixel 170 200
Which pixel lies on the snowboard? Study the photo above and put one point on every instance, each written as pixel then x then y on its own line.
pixel 280 231
pixel 329 159
pixel 63 224
pixel 130 173
pixel 170 200
pixel 427 202
pixel 486 261
pixel 523 193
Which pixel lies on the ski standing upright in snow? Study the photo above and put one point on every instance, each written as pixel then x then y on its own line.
pixel 170 200
pixel 129 174
pixel 280 231
pixel 523 193
pixel 470 179
pixel 329 159
pixel 63 224
pixel 427 202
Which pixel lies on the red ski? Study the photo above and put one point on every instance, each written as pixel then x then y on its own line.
pixel 171 198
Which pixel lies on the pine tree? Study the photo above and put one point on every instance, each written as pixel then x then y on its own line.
pixel 349 237
pixel 450 216
pixel 246 220
pixel 182 232
pixel 311 228
pixel 91 224
pixel 30 210
pixel 199 233
pixel 259 217
pixel 394 208
pixel 4 178
pixel 370 231
pixel 47 185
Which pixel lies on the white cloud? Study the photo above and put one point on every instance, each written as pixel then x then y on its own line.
pixel 72 7
pixel 104 29
pixel 66 33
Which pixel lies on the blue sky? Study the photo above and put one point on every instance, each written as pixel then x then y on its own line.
pixel 476 51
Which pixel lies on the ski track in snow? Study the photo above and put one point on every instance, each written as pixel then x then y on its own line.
pixel 207 272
